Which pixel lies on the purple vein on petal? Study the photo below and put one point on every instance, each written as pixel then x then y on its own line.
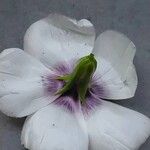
pixel 64 68
pixel 92 101
pixel 67 102
pixel 51 84
pixel 98 87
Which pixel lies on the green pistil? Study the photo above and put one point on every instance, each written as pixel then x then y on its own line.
pixel 80 77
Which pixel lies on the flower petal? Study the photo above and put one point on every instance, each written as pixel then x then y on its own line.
pixel 54 128
pixel 115 53
pixel 113 127
pixel 58 38
pixel 21 88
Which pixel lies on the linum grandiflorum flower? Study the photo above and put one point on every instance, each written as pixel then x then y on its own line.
pixel 61 82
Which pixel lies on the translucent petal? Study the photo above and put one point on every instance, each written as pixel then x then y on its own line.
pixel 21 87
pixel 115 53
pixel 57 38
pixel 55 128
pixel 113 127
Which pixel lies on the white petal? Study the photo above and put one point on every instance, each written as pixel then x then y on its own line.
pixel 54 128
pixel 115 53
pixel 58 38
pixel 21 87
pixel 113 127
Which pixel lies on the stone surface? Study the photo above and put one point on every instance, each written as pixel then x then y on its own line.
pixel 132 17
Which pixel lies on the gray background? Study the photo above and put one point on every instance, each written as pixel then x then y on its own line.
pixel 132 17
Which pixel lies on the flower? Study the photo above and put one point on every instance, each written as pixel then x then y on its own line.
pixel 63 88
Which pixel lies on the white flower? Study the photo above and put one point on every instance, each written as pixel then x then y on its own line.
pixel 28 87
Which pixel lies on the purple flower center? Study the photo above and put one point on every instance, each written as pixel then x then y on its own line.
pixel 69 100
